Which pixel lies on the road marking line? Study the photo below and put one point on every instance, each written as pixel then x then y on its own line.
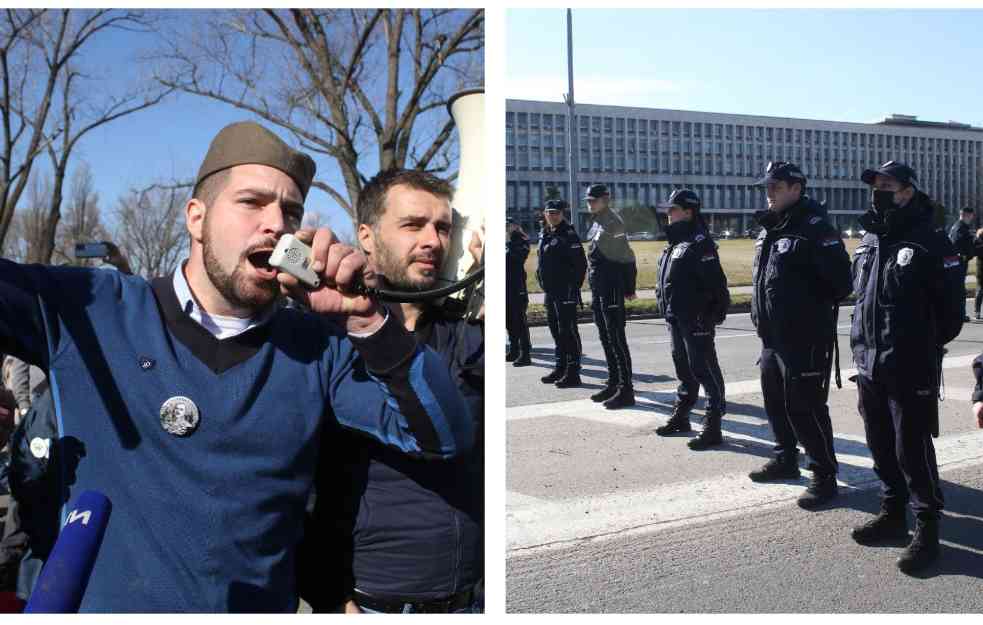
pixel 537 524
pixel 664 397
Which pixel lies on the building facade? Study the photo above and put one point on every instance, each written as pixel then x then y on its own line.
pixel 643 154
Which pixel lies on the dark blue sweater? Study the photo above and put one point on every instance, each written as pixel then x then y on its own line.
pixel 208 522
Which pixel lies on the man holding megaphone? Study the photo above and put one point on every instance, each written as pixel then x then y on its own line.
pixel 199 398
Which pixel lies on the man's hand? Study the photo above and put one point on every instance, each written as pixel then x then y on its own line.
pixel 341 268
pixel 477 245
pixel 351 607
pixel 116 259
pixel 978 412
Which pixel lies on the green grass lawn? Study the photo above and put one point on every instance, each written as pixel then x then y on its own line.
pixel 737 255
pixel 536 313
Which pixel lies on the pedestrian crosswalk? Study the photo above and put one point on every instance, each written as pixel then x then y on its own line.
pixel 537 523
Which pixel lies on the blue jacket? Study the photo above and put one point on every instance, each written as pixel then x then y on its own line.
pixel 801 270
pixel 561 263
pixel 208 521
pixel 910 289
pixel 402 527
pixel 691 285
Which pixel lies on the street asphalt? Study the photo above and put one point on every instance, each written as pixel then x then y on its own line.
pixel 603 515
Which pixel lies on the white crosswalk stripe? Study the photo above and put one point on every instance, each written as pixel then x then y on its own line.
pixel 538 524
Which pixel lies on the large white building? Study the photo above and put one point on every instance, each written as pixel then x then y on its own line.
pixel 642 154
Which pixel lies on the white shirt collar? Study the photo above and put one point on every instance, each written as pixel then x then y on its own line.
pixel 220 326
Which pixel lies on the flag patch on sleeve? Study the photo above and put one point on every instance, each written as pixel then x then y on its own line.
pixel 831 241
pixel 950 261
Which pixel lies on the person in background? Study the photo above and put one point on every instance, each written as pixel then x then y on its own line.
pixel 612 281
pixel 404 534
pixel 516 296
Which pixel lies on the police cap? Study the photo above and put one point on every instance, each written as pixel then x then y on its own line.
pixel 595 191
pixel 683 198
pixel 782 171
pixel 556 206
pixel 893 169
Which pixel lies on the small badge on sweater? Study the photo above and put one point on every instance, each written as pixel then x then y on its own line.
pixel 179 416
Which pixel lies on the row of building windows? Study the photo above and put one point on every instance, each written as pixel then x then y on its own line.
pixel 525 198
pixel 536 125
pixel 928 168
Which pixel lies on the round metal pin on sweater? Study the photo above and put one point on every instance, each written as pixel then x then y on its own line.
pixel 179 416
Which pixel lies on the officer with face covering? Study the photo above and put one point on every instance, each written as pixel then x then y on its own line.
pixel 612 281
pixel 909 283
pixel 693 298
pixel 801 271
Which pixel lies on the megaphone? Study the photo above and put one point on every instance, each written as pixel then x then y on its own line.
pixel 467 109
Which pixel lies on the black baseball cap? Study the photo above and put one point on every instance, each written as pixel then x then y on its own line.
pixel 556 205
pixel 899 171
pixel 968 209
pixel 683 198
pixel 782 171
pixel 595 191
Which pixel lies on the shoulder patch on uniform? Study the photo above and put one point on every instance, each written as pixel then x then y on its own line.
pixel 698 238
pixel 950 261
pixel 815 220
pixel 831 241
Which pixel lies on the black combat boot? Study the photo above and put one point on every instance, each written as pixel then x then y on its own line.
pixel 821 489
pixel 609 390
pixel 570 378
pixel 678 420
pixel 553 376
pixel 522 360
pixel 710 436
pixel 924 547
pixel 887 525
pixel 779 468
pixel 624 396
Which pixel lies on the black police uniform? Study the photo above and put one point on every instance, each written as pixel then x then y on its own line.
pixel 517 299
pixel 693 298
pixel 612 276
pixel 561 270
pixel 962 236
pixel 910 288
pixel 801 271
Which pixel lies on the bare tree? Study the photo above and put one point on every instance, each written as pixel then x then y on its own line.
pixel 83 220
pixel 47 107
pixel 30 220
pixel 150 228
pixel 342 81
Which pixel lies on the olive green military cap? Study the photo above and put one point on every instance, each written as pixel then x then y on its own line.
pixel 248 143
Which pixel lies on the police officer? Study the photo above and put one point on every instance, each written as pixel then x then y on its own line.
pixel 562 266
pixel 516 297
pixel 961 234
pixel 801 270
pixel 693 298
pixel 910 288
pixel 612 281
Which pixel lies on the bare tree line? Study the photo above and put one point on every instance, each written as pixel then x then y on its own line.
pixel 366 88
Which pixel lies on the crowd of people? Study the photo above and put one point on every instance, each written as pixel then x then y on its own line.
pixel 907 278
pixel 261 443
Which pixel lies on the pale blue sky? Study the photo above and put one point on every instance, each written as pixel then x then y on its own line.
pixel 845 65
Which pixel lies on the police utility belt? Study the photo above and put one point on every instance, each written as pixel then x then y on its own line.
pixel 395 605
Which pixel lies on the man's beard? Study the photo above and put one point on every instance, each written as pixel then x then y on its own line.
pixel 236 288
pixel 395 271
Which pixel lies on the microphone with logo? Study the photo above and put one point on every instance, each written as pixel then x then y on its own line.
pixel 65 575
